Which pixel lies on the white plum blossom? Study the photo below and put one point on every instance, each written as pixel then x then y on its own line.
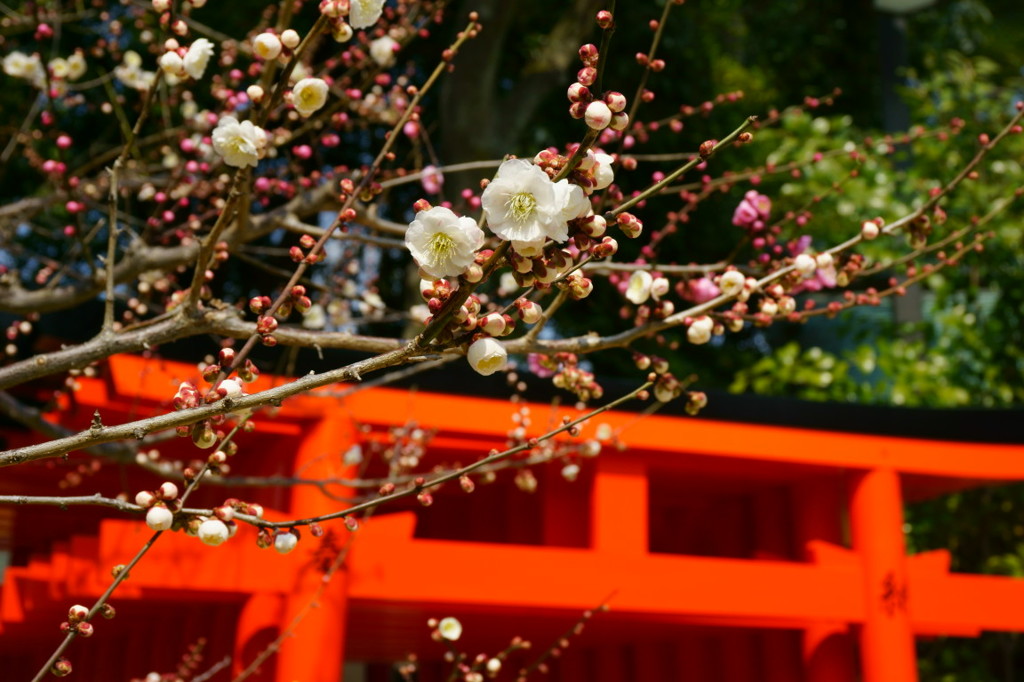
pixel 382 50
pixel 26 66
pixel 342 32
pixel 130 72
pixel 805 264
pixel 520 204
pixel 213 532
pixel 231 388
pixel 159 518
pixel 487 356
pixel 285 542
pixel 639 288
pixel 731 282
pixel 172 65
pixel 315 317
pixel 309 95
pixel 76 66
pixel 365 13
pixel 267 46
pixel 442 243
pixel 353 456
pixel 450 628
pixel 240 144
pixel 59 68
pixel 572 199
pixel 198 57
pixel 298 73
pixel 604 174
pixel 290 38
pixel 700 330
pixel 529 249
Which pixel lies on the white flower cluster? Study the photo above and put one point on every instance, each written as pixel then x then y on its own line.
pixel 131 73
pixel 30 67
pixel 191 64
pixel 642 285
pixel 361 13
pixel 239 144
pixel 522 205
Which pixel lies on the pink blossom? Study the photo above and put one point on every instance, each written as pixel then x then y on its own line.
pixel 432 180
pixel 700 290
pixel 536 363
pixel 752 209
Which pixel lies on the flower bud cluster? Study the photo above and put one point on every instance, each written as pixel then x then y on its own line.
pixel 187 396
pixel 608 111
pixel 568 375
pixel 161 504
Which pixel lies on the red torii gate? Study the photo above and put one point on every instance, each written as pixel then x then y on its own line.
pixel 724 544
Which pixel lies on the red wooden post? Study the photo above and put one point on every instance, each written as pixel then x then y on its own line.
pixel 827 647
pixel 318 652
pixel 876 516
pixel 619 506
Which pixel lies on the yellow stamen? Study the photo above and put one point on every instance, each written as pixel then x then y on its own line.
pixel 520 206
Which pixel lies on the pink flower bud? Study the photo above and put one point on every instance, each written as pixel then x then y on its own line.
pixel 529 312
pixel 167 490
pixel 266 325
pixel 589 54
pixel 226 357
pixel 61 667
pixel 620 121
pixel 77 613
pixel 598 115
pixel 144 498
pixel 616 101
pixel 594 226
pixel 493 324
pixel 630 225
pixel 579 93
